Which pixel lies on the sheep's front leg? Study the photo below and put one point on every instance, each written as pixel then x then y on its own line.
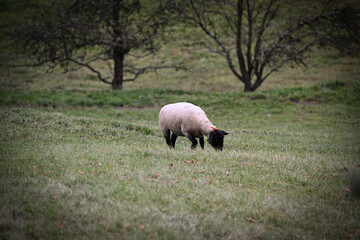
pixel 201 142
pixel 193 140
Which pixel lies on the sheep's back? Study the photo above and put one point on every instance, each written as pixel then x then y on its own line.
pixel 181 115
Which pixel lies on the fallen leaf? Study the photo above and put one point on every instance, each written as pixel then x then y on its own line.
pixel 339 199
pixel 81 172
pixel 157 175
pixel 171 164
pixel 62 224
pixel 345 169
pixel 249 219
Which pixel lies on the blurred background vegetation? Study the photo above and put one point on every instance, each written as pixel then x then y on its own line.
pixel 178 54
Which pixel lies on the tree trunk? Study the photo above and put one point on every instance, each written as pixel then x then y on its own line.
pixel 247 86
pixel 119 55
pixel 257 84
pixel 117 83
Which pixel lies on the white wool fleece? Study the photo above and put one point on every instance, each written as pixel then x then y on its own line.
pixel 184 119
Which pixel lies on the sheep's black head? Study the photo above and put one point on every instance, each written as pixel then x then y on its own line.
pixel 216 139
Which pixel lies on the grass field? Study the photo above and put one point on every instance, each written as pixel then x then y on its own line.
pixel 78 161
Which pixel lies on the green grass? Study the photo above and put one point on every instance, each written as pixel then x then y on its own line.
pixel 93 164
pixel 142 98
pixel 78 161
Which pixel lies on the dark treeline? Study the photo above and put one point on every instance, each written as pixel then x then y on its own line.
pixel 256 38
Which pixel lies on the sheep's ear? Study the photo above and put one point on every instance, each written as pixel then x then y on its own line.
pixel 225 133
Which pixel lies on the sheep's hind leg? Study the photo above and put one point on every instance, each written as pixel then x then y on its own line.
pixel 201 142
pixel 173 140
pixel 166 134
pixel 193 140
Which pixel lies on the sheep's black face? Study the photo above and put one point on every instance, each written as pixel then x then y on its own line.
pixel 216 139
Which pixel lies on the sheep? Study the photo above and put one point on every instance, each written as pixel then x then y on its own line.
pixel 186 119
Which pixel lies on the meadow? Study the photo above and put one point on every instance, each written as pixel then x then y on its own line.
pixel 79 161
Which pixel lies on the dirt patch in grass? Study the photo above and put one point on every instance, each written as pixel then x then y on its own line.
pixel 308 101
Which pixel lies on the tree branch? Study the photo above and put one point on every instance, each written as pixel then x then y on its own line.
pixel 250 11
pixel 289 31
pixel 226 52
pixel 87 65
pixel 290 58
pixel 264 24
pixel 138 71
pixel 227 18
pixel 239 53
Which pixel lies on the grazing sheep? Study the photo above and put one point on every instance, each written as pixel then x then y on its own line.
pixel 186 119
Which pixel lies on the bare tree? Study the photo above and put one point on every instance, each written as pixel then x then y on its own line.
pixel 343 28
pixel 74 34
pixel 257 37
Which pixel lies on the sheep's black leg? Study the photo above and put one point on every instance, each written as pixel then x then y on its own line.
pixel 173 140
pixel 201 142
pixel 193 140
pixel 167 137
